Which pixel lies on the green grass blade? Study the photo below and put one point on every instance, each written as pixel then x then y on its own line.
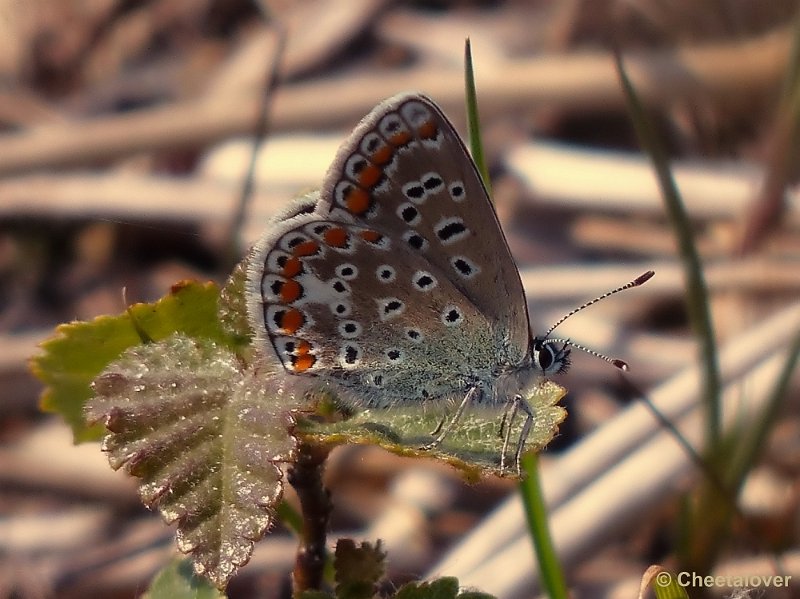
pixel 756 432
pixel 473 121
pixel 536 515
pixel 697 300
pixel 663 584
pixel 552 575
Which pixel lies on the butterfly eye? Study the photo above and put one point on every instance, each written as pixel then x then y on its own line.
pixel 550 358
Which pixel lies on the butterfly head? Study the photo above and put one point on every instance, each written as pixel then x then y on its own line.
pixel 550 356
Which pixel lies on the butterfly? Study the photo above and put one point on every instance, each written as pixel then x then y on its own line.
pixel 394 285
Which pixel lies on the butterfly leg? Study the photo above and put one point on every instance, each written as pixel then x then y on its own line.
pixel 505 421
pixel 512 407
pixel 526 430
pixel 439 426
pixel 472 395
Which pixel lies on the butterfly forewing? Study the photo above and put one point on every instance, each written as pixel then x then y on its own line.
pixel 405 173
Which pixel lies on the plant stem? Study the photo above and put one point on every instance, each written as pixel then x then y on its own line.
pixel 305 475
pixel 536 512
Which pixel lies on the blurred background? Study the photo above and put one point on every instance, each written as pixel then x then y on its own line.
pixel 127 127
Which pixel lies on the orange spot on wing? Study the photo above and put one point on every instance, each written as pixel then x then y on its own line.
pixel 369 176
pixel 292 320
pixel 382 155
pixel 428 130
pixel 292 267
pixel 336 237
pixel 371 236
pixel 357 201
pixel 307 248
pixel 303 348
pixel 290 291
pixel 400 138
pixel 303 363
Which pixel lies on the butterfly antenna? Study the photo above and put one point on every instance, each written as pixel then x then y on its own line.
pixel 622 365
pixel 640 280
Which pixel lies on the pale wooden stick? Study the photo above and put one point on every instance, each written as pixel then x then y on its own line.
pixel 571 82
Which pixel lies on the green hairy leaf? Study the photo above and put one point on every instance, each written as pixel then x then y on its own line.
pixel 79 351
pixel 176 580
pixel 441 588
pixel 206 439
pixel 358 569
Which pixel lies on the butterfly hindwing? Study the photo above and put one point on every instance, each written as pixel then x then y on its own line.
pixel 363 310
